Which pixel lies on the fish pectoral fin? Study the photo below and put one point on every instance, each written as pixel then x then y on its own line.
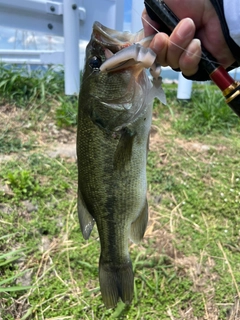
pixel 123 152
pixel 116 281
pixel 85 218
pixel 138 227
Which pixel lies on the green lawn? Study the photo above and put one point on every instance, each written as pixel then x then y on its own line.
pixel 188 265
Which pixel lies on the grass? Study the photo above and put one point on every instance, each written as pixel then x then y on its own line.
pixel 23 87
pixel 187 266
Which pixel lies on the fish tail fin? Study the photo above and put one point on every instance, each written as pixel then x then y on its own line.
pixel 116 281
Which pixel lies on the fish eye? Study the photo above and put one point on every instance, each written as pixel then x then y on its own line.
pixel 95 63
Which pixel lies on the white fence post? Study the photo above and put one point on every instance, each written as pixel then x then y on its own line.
pixel 184 88
pixel 71 46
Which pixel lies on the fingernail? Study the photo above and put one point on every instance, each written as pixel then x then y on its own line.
pixel 194 48
pixel 186 28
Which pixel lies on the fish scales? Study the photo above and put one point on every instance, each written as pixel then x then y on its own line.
pixel 114 119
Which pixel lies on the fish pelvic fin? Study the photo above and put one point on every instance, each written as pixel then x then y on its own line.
pixel 85 218
pixel 138 227
pixel 116 281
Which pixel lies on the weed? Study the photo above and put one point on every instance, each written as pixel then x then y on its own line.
pixel 206 112
pixel 7 261
pixel 22 86
pixel 9 144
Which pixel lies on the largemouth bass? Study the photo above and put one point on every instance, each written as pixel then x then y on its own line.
pixel 114 119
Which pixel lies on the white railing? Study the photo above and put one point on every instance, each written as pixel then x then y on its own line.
pixel 32 57
pixel 71 19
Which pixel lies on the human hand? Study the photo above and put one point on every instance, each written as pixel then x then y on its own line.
pixel 181 49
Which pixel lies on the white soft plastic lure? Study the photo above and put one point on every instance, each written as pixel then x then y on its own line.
pixel 136 53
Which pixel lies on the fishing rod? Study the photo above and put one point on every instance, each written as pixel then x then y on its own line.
pixel 229 87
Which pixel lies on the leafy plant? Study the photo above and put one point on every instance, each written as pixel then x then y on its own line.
pixel 23 183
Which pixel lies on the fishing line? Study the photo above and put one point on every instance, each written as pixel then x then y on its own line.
pixel 178 46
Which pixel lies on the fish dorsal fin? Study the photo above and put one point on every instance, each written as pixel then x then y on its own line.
pixel 123 151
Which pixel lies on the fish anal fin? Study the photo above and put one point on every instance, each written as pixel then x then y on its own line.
pixel 116 282
pixel 123 151
pixel 85 218
pixel 138 227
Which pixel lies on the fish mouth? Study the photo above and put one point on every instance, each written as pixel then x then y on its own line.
pixel 114 40
pixel 123 49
